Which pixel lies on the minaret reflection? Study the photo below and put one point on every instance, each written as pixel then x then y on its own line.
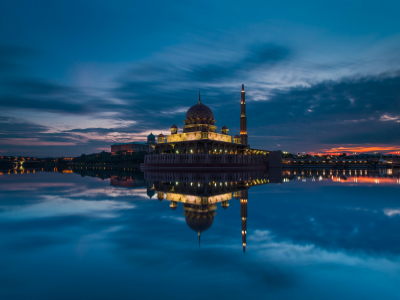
pixel 243 214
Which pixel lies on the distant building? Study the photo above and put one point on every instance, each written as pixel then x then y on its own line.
pixel 375 157
pixel 129 148
pixel 64 159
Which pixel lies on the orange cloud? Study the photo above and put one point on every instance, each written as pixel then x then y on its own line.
pixel 370 180
pixel 352 149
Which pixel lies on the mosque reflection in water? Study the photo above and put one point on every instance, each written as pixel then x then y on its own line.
pixel 200 193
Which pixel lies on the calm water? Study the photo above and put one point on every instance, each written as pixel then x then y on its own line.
pixel 108 236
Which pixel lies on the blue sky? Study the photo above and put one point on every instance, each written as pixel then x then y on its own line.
pixel 77 76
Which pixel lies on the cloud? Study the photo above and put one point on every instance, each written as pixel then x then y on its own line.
pixel 387 117
pixel 33 142
pixel 345 111
pixel 355 148
pixel 391 212
pixel 165 86
pixel 300 254
pixel 19 133
pixel 259 56
pixel 111 192
pixel 10 57
pixel 339 225
pixel 26 186
pixel 58 206
pixel 12 127
pixel 43 96
pixel 347 99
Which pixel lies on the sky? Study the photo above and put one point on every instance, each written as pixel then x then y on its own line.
pixel 78 76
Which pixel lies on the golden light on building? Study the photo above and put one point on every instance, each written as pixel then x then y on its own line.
pixel 200 136
pixel 192 199
pixel 173 205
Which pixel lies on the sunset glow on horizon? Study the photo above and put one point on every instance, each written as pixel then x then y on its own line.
pixel 359 150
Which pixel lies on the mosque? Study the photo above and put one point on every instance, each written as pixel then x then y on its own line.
pixel 212 149
pixel 200 135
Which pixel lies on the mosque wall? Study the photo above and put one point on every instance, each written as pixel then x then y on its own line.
pixel 191 136
pixel 193 199
pixel 206 159
pixel 226 178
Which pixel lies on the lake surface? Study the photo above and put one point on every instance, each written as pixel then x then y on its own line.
pixel 321 234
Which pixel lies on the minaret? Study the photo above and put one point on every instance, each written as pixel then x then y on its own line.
pixel 243 119
pixel 243 214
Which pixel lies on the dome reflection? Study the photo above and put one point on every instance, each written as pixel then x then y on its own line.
pixel 201 193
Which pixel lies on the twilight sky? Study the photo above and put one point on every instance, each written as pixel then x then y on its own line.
pixel 77 76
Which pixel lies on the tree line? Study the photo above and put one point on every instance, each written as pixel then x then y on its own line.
pixel 108 158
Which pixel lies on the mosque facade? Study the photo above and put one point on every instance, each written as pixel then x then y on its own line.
pixel 200 134
pixel 201 146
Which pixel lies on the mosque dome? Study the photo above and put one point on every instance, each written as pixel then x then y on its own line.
pixel 199 224
pixel 224 127
pixel 237 195
pixel 236 137
pixel 174 126
pixel 151 136
pixel 150 193
pixel 160 135
pixel 224 204
pixel 201 111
